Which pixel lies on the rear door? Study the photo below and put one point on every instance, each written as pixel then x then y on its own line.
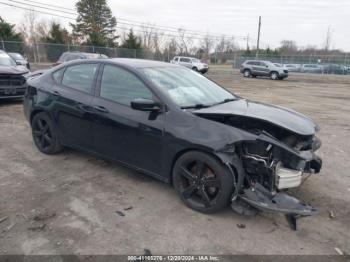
pixel 120 132
pixel 72 93
pixel 184 61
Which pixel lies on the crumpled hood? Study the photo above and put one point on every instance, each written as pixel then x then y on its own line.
pixel 13 70
pixel 279 116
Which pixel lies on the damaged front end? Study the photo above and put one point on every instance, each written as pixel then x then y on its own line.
pixel 270 165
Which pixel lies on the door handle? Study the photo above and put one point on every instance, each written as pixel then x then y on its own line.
pixel 56 93
pixel 101 109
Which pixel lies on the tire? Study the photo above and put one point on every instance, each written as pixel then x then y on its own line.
pixel 246 73
pixel 206 189
pixel 195 69
pixel 274 76
pixel 253 76
pixel 44 134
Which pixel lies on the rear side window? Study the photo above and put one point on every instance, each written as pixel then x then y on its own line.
pixel 57 75
pixel 80 77
pixel 121 86
pixel 186 60
pixel 250 63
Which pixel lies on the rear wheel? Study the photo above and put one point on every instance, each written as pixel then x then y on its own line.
pixel 203 183
pixel 246 73
pixel 44 135
pixel 274 76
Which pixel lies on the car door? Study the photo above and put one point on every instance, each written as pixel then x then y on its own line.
pixel 264 69
pixel 73 93
pixel 120 132
pixel 256 68
pixel 184 61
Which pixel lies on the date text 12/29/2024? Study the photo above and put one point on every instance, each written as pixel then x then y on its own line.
pixel 173 258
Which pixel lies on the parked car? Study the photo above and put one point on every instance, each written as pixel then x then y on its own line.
pixel 20 60
pixel 164 120
pixel 311 68
pixel 254 68
pixel 190 62
pixel 335 69
pixel 69 56
pixel 177 126
pixel 293 67
pixel 12 77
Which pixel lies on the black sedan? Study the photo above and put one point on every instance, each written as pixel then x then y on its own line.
pixel 178 126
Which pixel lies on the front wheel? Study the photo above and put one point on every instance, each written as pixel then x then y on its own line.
pixel 44 135
pixel 203 183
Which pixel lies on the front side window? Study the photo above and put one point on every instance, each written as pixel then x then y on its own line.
pixel 57 75
pixel 80 77
pixel 186 87
pixel 122 86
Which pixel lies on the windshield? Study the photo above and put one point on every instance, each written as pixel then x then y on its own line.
pixel 6 60
pixel 195 60
pixel 186 87
pixel 16 56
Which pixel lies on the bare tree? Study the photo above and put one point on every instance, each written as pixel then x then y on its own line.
pixel 185 42
pixel 288 47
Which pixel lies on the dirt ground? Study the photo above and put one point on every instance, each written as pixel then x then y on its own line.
pixel 73 203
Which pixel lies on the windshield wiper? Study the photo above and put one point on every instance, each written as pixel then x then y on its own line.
pixel 226 101
pixel 196 106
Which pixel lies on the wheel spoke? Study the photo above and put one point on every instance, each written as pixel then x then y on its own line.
pixel 47 138
pixel 188 192
pixel 37 133
pixel 40 124
pixel 187 174
pixel 42 141
pixel 204 196
pixel 212 182
pixel 200 168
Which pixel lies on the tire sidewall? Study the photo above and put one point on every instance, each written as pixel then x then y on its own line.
pixel 55 147
pixel 246 73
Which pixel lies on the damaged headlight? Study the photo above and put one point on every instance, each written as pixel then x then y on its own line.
pixel 287 178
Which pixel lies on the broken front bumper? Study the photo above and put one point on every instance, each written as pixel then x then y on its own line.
pixel 260 198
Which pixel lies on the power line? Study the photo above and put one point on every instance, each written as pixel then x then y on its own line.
pixel 133 22
pixel 192 35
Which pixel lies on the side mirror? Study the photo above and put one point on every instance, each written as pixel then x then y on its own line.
pixel 143 104
pixel 18 63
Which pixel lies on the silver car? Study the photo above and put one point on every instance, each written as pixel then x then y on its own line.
pixel 254 68
pixel 190 62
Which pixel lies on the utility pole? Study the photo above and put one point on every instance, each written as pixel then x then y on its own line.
pixel 247 42
pixel 257 45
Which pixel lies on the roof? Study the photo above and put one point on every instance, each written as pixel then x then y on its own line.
pixel 141 63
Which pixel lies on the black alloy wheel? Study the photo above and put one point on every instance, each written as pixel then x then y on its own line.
pixel 203 183
pixel 44 135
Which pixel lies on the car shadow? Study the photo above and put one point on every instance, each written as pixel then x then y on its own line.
pixel 9 102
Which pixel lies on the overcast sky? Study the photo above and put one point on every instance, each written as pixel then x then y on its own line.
pixel 305 21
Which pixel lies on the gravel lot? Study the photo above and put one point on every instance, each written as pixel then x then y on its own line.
pixel 73 203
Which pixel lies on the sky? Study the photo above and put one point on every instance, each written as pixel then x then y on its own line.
pixel 304 21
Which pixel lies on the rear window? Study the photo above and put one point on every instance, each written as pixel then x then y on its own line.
pixel 80 77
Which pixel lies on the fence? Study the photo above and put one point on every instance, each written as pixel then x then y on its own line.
pixel 49 53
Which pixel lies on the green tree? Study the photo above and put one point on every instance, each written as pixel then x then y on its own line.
pixel 57 35
pixel 7 32
pixel 95 24
pixel 131 41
